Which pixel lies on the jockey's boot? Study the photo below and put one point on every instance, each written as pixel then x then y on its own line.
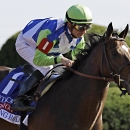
pixel 19 103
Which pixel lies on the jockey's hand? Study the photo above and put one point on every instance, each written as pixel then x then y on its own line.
pixel 66 62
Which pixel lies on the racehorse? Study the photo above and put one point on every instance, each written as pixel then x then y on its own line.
pixel 76 100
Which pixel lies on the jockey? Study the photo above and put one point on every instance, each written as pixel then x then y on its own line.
pixel 43 43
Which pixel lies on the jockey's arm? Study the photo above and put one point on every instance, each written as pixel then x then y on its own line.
pixel 41 59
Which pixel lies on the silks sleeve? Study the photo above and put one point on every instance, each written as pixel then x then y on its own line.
pixel 41 59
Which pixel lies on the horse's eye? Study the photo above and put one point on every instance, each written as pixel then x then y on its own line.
pixel 114 53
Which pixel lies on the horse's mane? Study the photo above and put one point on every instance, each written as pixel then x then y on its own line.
pixel 93 40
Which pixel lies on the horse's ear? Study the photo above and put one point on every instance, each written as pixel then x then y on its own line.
pixel 109 31
pixel 124 32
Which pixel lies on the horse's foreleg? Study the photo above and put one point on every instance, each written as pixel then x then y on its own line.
pixel 98 124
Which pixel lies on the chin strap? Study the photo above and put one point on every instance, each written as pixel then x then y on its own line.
pixel 73 35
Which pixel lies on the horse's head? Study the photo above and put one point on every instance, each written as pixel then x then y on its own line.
pixel 117 56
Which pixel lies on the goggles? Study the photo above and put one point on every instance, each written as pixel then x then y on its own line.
pixel 81 27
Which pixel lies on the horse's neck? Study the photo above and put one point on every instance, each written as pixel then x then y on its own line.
pixel 91 66
pixel 93 62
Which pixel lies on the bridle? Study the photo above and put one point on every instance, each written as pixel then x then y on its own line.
pixel 115 77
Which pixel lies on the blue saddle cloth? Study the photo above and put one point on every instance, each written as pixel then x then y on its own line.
pixel 8 91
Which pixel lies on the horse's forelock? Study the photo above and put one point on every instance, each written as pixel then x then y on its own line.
pixel 115 34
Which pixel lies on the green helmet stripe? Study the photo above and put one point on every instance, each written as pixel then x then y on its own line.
pixel 77 20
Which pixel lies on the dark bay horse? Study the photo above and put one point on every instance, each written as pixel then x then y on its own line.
pixel 76 101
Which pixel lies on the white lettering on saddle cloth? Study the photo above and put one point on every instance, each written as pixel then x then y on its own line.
pixel 15 119
pixel 6 113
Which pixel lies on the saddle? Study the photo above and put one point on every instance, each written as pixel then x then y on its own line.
pixel 48 82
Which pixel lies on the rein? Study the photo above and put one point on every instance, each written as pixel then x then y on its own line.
pixel 89 76
pixel 115 77
pixel 108 64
